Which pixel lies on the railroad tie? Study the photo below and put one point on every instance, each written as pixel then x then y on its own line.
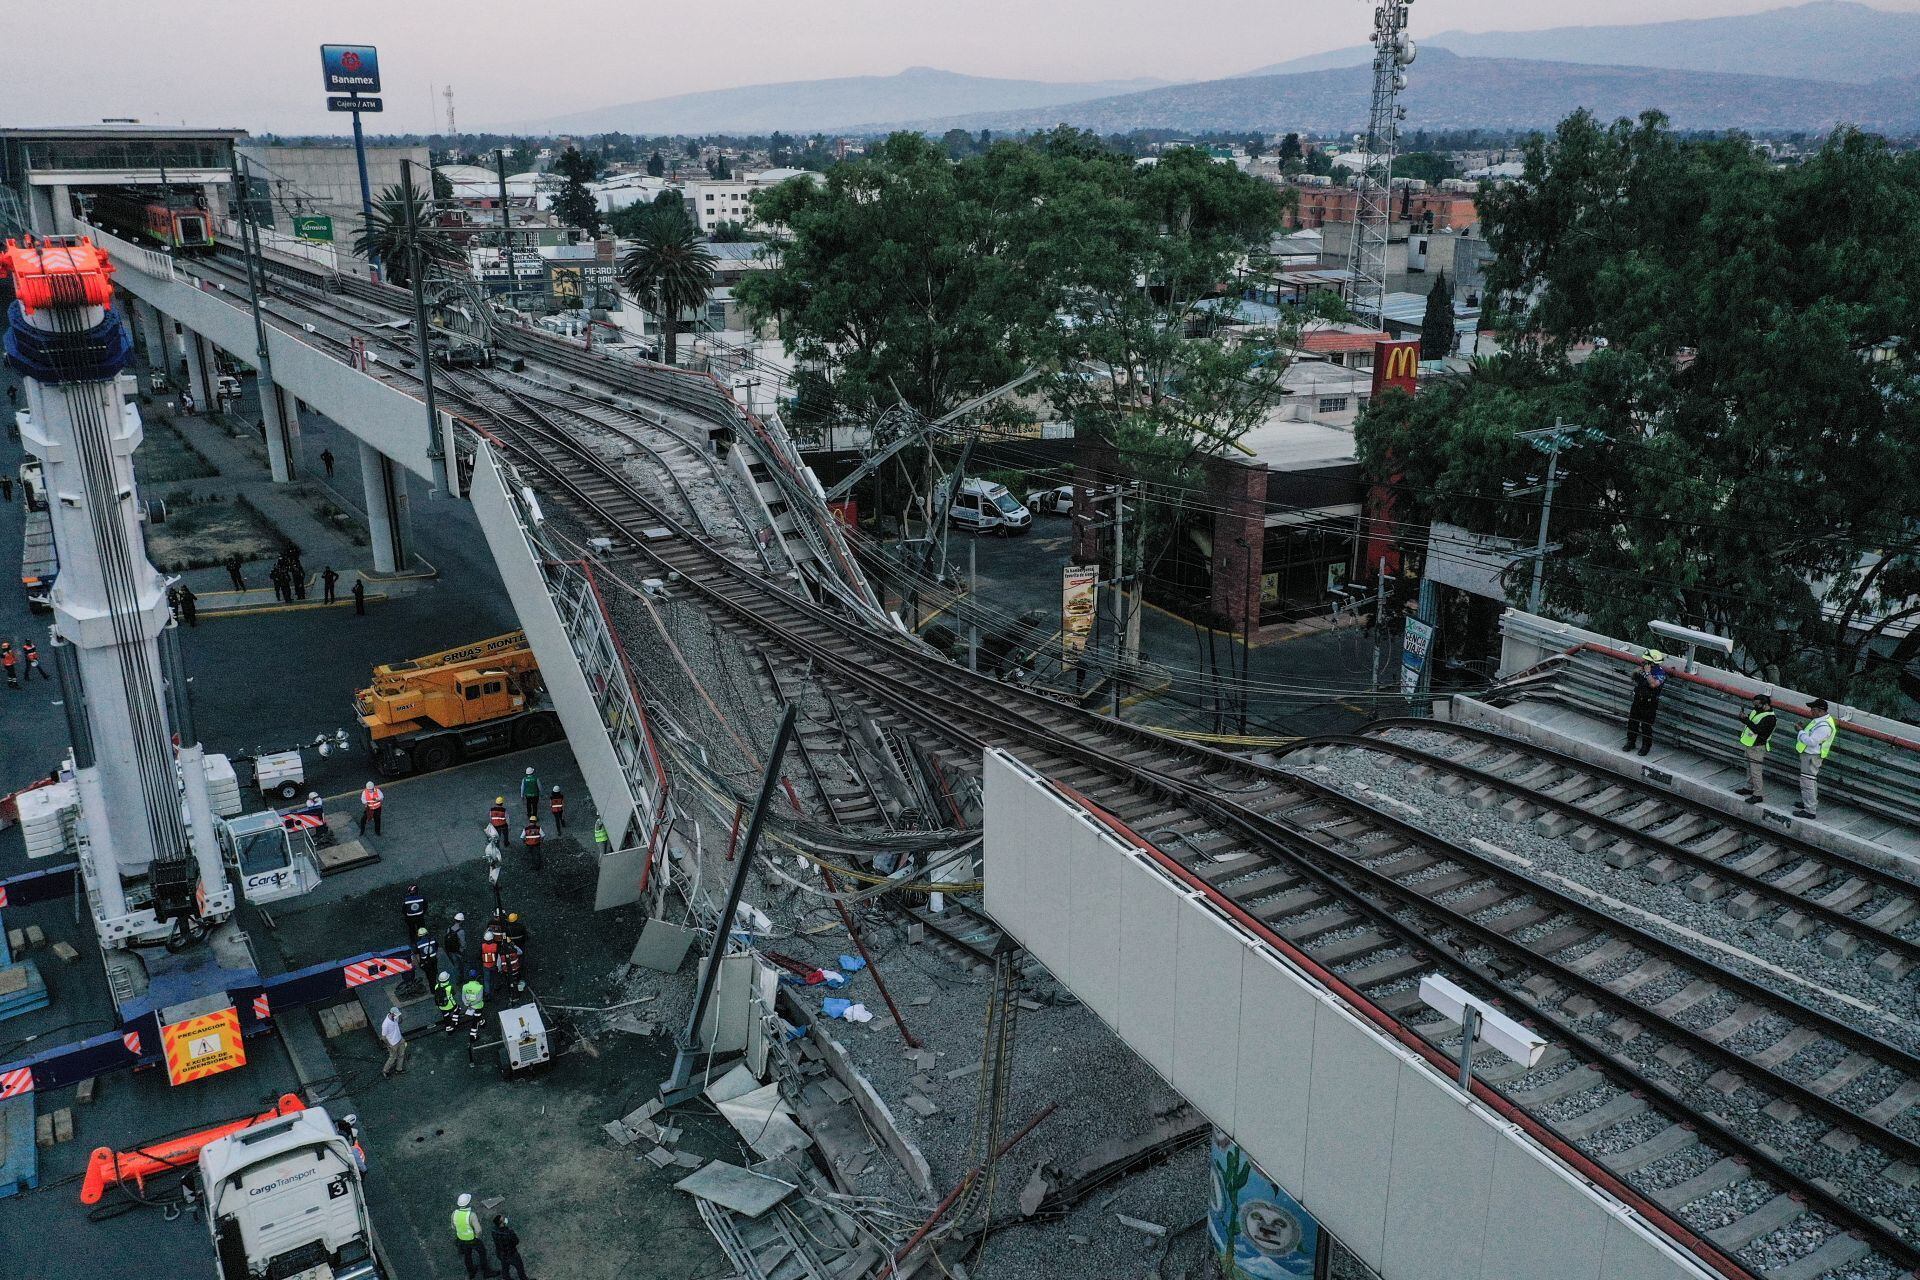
pixel 1894 913
pixel 1768 1218
pixel 1672 1139
pixel 1840 1249
pixel 1721 1174
pixel 1622 1106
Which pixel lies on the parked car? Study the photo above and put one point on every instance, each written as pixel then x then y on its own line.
pixel 1057 501
pixel 984 507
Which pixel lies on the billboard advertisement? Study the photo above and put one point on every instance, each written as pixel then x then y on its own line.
pixel 350 68
pixel 1259 1231
pixel 1076 609
pixel 1415 645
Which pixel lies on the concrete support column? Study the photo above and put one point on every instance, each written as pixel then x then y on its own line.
pixel 386 494
pixel 152 328
pixel 273 422
pixel 200 371
pixel 63 219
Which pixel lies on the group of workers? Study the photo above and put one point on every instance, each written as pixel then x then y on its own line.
pixel 500 963
pixel 473 1253
pixel 26 659
pixel 533 835
pixel 1758 720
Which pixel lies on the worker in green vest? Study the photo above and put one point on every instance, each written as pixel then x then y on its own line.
pixel 530 792
pixel 466 1236
pixel 443 1000
pixel 1756 739
pixel 1814 742
pixel 473 996
pixel 599 837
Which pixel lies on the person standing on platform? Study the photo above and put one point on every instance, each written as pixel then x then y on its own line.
pixel 413 912
pixel 232 564
pixel 328 578
pixel 1648 681
pixel 326 462
pixel 1757 723
pixel 359 598
pixel 371 800
pixel 189 606
pixel 1814 742
pixel 454 943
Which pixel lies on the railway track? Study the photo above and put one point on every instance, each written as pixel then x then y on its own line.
pixel 1774 1141
pixel 1344 883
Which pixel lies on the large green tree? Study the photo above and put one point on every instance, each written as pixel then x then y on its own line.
pixel 1738 344
pixel 1436 325
pixel 669 271
pixel 573 204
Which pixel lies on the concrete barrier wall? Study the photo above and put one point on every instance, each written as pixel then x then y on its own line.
pixel 1385 1151
pixel 620 805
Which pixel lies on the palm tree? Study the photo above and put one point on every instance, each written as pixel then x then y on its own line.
pixel 669 271
pixel 393 238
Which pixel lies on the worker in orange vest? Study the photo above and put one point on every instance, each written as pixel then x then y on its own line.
pixel 557 805
pixel 532 838
pixel 497 816
pixel 371 798
pixel 9 659
pixel 510 959
pixel 33 661
pixel 489 961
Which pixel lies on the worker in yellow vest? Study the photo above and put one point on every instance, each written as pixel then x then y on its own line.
pixel 1814 743
pixel 371 798
pixel 466 1236
pixel 1757 723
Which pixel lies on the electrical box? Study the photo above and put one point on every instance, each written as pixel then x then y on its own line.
pixel 523 1033
pixel 280 774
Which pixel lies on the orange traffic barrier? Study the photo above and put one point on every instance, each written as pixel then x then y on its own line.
pixel 107 1167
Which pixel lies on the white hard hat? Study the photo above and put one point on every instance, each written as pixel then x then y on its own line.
pixel 313 797
pixel 444 977
pixel 466 1198
pixel 369 781
pixel 459 917
pixel 529 771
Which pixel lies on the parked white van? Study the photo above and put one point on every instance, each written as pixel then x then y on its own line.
pixel 984 507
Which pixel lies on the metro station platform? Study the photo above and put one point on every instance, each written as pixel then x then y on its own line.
pixel 1569 689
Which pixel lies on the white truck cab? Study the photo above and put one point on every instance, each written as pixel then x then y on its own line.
pixel 284 1198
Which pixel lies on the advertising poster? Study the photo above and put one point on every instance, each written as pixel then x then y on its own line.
pixel 1414 647
pixel 1259 1231
pixel 351 68
pixel 1076 609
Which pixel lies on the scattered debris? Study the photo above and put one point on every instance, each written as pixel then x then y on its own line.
pixel 1141 1224
pixel 663 946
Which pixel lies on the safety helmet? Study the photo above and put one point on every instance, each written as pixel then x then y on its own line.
pixel 556 788
pixel 499 799
pixel 1654 655
pixel 369 782
pixel 512 916
pixel 487 936
pixel 529 771
pixel 473 973
pixel 444 977
pixel 465 1199
pixel 313 797
pixel 459 917
pixel 421 932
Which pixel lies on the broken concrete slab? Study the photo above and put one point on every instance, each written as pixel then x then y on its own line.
pixel 922 1107
pixel 659 1157
pixel 688 1160
pixel 1141 1224
pixel 663 946
pixel 765 1120
pixel 734 1084
pixel 741 1190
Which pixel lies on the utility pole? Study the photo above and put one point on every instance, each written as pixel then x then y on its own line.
pixel 279 459
pixel 973 608
pixel 506 224
pixel 1551 440
pixel 678 1086
pixel 417 271
pixel 1379 621
pixel 1119 590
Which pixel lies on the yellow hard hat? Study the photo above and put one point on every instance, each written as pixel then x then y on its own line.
pixel 1654 655
pixel 499 799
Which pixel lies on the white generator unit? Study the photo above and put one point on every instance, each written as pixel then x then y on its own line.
pixel 284 1199
pixel 523 1040
pixel 281 775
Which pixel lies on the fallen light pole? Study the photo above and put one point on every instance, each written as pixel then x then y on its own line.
pixel 676 1088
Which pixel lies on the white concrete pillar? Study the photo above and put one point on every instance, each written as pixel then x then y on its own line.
pixel 152 326
pixel 273 422
pixel 63 219
pixel 200 371
pixel 385 488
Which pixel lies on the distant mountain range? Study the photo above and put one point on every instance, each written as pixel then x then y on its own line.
pixel 831 106
pixel 1834 40
pixel 1452 92
pixel 1807 67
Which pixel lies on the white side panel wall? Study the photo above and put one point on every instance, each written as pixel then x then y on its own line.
pixel 566 683
pixel 1381 1147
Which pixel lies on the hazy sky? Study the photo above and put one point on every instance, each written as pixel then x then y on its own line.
pixel 257 65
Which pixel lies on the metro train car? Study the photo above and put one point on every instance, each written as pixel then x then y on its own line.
pixel 182 228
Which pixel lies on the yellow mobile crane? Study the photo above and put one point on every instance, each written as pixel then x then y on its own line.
pixel 476 700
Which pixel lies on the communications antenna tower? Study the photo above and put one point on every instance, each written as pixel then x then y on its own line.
pixel 447 93
pixel 1373 207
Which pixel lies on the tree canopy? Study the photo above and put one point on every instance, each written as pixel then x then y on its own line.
pixel 1737 342
pixel 669 270
pixel 573 203
pixel 396 236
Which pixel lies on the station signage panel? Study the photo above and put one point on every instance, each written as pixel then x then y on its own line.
pixel 350 68
pixel 313 226
pixel 355 105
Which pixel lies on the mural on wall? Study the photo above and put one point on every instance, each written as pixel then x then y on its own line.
pixel 1260 1231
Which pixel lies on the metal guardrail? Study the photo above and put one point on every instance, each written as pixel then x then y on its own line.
pixel 125 253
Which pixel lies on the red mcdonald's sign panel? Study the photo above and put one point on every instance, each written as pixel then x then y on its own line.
pixel 1396 363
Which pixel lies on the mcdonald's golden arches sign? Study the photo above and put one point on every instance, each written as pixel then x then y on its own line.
pixel 1396 363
